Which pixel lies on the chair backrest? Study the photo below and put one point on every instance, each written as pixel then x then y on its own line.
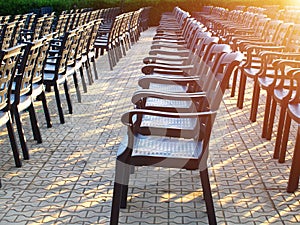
pixel 114 32
pixel 9 59
pixel 37 29
pixel 296 98
pixel 4 19
pixel 93 34
pixel 217 81
pixel 293 44
pixel 17 33
pixel 208 65
pixel 124 24
pixel 270 30
pixel 47 26
pixel 202 50
pixel 9 31
pixel 23 84
pixel 282 33
pixel 75 47
pixel 61 24
pixel 40 62
pixel 260 26
pixel 64 47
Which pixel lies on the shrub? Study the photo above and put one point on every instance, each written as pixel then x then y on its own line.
pixel 13 7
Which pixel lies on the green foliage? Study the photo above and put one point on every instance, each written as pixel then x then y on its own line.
pixel 13 7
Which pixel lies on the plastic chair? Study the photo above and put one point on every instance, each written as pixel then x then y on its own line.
pixel 41 48
pixel 189 145
pixel 251 69
pixel 268 82
pixel 283 91
pixel 55 70
pixel 162 92
pixel 293 113
pixel 28 87
pixel 9 59
pixel 109 42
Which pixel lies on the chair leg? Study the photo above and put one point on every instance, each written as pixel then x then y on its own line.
pixel 34 125
pixel 255 101
pixel 285 136
pixel 58 103
pixel 278 143
pixel 88 73
pixel 21 135
pixel 110 59
pixel 266 117
pixel 91 72
pixel 68 97
pixel 75 80
pixel 46 110
pixel 241 94
pixel 295 168
pixel 13 144
pixel 271 119
pixel 120 190
pixel 126 174
pixel 116 202
pixel 97 52
pixel 95 68
pixel 208 197
pixel 233 87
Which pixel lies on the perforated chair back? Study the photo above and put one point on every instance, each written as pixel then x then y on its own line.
pixel 9 60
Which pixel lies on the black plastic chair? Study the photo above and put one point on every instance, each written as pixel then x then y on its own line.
pixel 179 140
pixel 27 87
pixel 9 59
pixel 55 70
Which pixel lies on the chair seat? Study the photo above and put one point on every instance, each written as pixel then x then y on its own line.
pixel 50 67
pixel 164 103
pixel 168 87
pixel 4 117
pixel 265 82
pixel 50 77
pixel 37 89
pixel 294 112
pixel 70 70
pixel 281 94
pixel 254 71
pixel 170 123
pixel 84 59
pixel 91 54
pixel 25 102
pixel 164 151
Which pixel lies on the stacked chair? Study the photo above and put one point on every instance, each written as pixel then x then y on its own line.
pixel 271 60
pixel 184 79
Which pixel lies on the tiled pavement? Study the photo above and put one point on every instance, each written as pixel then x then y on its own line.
pixel 68 179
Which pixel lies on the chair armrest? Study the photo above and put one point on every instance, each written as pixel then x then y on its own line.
pixel 149 68
pixel 280 63
pixel 296 77
pixel 144 82
pixel 263 47
pixel 137 96
pixel 280 54
pixel 183 53
pixel 127 118
pixel 182 46
pixel 251 49
pixel 153 59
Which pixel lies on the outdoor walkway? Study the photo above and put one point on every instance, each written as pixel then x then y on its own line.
pixel 69 177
